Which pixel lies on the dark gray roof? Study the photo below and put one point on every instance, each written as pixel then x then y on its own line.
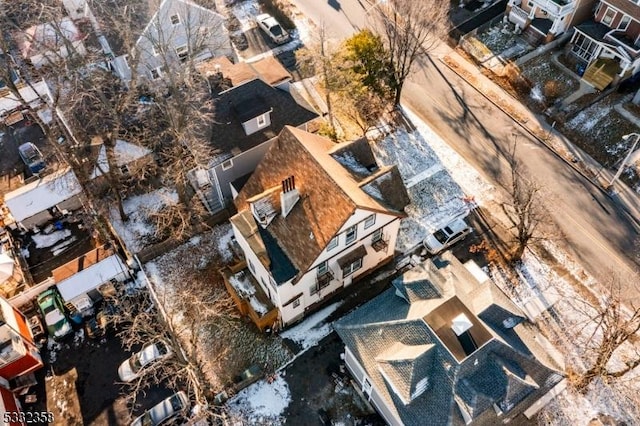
pixel 510 377
pixel 281 267
pixel 231 108
pixel 356 157
pixel 389 189
pixel 415 287
pixel 593 29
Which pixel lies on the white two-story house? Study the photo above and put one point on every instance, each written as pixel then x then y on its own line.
pixel 314 217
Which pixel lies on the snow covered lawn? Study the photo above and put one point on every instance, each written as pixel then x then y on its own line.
pixel 439 182
pixel 262 403
pixel 139 229
pixel 569 330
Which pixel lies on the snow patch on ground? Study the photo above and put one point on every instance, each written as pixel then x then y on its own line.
pixel 590 118
pixel 441 185
pixel 136 231
pixel 313 329
pixel 263 402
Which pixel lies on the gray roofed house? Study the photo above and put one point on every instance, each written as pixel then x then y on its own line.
pixel 422 353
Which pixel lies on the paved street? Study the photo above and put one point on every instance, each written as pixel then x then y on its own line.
pixel 601 236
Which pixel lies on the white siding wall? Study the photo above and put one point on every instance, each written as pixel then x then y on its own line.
pixel 287 291
pixel 359 374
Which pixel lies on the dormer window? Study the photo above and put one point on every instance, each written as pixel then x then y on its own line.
pixel 175 19
pixel 624 22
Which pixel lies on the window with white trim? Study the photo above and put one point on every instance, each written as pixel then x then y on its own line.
pixel 296 303
pixel 351 234
pixel 352 267
pixel 333 243
pixel 376 236
pixel 369 221
pixel 175 19
pixel 624 22
pixel 182 52
pixel 156 73
pixel 262 120
pixel 608 16
pixel 323 268
pixel 253 268
pixel 227 164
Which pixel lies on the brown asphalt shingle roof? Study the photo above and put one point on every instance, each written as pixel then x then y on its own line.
pixel 329 194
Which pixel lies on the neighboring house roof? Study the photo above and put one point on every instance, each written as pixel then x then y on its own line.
pixel 48 37
pixel 630 8
pixel 400 339
pixel 124 153
pixel 42 194
pixel 269 69
pixel 230 109
pixel 329 195
pixel 31 96
pixel 91 277
pixel 593 29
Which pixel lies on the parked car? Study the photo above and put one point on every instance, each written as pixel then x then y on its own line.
pixel 32 157
pixel 170 407
pixel 272 28
pixel 52 309
pixel 151 353
pixel 447 236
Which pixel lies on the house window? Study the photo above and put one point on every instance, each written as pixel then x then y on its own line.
pixel 351 234
pixel 369 221
pixel 253 268
pixel 376 236
pixel 262 120
pixel 156 73
pixel 323 268
pixel 352 267
pixel 332 244
pixel 227 164
pixel 175 19
pixel 608 16
pixel 296 303
pixel 183 53
pixel 624 22
pixel 124 169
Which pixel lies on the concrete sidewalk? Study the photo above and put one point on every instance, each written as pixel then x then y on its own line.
pixel 626 198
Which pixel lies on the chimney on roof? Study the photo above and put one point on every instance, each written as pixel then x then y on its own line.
pixel 289 195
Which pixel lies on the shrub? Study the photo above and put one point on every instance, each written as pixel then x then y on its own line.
pixel 551 89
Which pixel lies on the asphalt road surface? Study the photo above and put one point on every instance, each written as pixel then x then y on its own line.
pixel 602 238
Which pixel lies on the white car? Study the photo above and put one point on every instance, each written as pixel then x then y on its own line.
pixel 151 353
pixel 447 236
pixel 272 28
pixel 175 404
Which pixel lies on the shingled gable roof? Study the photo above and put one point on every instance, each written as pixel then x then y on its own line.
pixel 497 373
pixel 227 133
pixel 329 195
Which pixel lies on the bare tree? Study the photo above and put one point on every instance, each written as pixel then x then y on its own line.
pixel 615 322
pixel 523 210
pixel 409 29
pixel 184 315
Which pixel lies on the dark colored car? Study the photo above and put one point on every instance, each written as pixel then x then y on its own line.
pixel 32 157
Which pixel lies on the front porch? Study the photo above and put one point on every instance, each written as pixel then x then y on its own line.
pixel 249 297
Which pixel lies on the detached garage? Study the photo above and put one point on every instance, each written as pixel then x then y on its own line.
pixel 75 288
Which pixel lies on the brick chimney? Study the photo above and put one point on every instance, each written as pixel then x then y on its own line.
pixel 289 195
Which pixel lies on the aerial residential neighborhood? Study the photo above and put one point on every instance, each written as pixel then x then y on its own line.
pixel 291 212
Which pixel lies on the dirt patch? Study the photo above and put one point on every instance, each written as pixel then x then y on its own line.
pixel 549 81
